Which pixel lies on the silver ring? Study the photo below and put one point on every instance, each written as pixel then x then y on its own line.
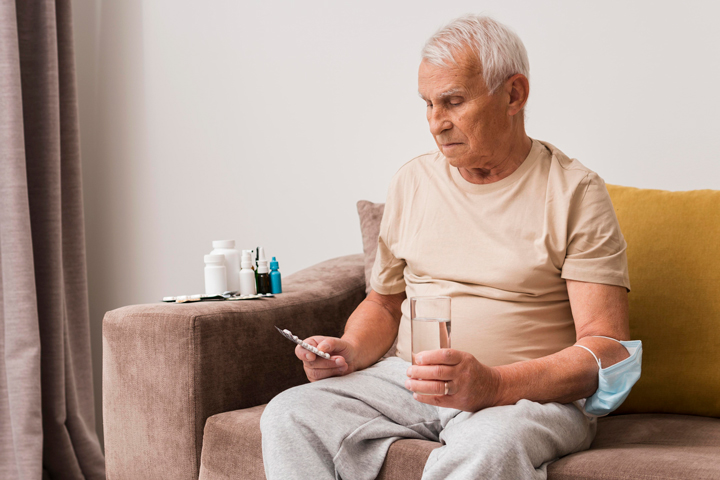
pixel 447 390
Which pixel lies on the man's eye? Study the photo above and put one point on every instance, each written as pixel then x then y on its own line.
pixel 455 104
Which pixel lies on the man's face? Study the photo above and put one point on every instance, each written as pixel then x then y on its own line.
pixel 471 128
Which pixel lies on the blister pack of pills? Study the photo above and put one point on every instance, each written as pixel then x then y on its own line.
pixel 288 334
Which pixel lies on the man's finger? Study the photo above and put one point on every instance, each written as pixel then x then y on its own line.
pixel 443 356
pixel 427 387
pixel 315 374
pixel 307 355
pixel 319 362
pixel 431 372
pixel 437 400
pixel 304 355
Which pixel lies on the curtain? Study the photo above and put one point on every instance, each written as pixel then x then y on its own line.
pixel 47 418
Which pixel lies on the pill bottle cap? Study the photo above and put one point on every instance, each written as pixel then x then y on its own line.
pixel 274 264
pixel 215 259
pixel 223 243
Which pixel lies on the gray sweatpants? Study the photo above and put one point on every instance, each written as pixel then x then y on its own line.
pixel 342 428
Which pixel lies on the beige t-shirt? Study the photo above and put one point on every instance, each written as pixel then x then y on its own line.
pixel 502 250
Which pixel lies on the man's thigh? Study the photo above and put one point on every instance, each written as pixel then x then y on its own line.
pixel 349 421
pixel 513 441
pixel 376 390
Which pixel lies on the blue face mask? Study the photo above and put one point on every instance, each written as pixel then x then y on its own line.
pixel 614 382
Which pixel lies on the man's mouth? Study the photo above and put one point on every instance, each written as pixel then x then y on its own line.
pixel 450 144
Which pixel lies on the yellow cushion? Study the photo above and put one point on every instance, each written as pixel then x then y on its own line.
pixel 674 260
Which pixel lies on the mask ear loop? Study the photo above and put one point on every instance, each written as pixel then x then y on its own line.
pixel 600 336
pixel 591 353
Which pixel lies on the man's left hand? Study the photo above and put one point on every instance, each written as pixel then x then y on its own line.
pixel 471 386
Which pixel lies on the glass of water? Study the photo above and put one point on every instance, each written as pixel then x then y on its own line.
pixel 429 324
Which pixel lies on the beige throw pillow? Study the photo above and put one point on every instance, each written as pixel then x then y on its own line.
pixel 370 216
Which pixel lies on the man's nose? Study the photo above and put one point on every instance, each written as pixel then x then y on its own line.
pixel 437 118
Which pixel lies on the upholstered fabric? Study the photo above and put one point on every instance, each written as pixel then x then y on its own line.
pixel 232 446
pixel 370 216
pixel 647 446
pixel 168 367
pixel 674 259
pixel 632 447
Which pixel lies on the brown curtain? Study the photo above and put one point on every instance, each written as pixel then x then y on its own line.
pixel 47 418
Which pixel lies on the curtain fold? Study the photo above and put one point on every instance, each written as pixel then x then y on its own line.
pixel 47 418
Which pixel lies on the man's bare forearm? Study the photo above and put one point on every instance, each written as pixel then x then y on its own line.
pixel 373 326
pixel 572 373
pixel 563 377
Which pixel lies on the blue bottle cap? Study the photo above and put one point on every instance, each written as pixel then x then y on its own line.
pixel 273 264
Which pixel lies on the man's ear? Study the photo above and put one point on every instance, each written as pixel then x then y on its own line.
pixel 517 88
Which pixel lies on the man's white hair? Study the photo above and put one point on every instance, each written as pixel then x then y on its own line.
pixel 499 51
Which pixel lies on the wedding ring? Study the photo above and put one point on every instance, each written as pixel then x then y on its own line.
pixel 446 388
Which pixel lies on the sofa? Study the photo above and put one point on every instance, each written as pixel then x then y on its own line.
pixel 184 385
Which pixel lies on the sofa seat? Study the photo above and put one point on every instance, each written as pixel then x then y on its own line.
pixel 641 446
pixel 647 446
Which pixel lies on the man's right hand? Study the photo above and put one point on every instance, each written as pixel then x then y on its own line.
pixel 369 332
pixel 341 352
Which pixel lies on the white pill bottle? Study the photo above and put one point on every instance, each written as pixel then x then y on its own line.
pixel 215 274
pixel 232 262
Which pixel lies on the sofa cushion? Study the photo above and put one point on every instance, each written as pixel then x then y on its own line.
pixel 647 446
pixel 370 215
pixel 674 261
pixel 232 446
pixel 642 447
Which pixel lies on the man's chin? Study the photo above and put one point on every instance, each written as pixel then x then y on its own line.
pixel 456 162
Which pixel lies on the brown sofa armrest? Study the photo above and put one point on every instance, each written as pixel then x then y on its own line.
pixel 168 367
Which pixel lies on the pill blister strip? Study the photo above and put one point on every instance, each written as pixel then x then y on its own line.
pixel 288 334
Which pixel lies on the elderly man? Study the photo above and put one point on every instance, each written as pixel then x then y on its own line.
pixel 524 240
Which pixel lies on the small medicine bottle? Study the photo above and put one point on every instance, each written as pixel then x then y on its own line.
pixel 232 262
pixel 215 274
pixel 275 278
pixel 263 278
pixel 247 275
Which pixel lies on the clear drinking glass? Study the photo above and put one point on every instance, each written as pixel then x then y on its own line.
pixel 429 324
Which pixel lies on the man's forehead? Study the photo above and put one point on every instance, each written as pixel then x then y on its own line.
pixel 447 80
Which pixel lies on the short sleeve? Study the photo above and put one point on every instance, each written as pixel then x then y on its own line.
pixel 387 276
pixel 596 249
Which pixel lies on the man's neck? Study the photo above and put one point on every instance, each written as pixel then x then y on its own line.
pixel 512 161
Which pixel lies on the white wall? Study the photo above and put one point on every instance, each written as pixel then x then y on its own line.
pixel 267 122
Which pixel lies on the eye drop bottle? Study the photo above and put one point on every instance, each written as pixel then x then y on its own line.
pixel 275 278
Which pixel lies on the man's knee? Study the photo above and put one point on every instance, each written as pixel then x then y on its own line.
pixel 284 409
